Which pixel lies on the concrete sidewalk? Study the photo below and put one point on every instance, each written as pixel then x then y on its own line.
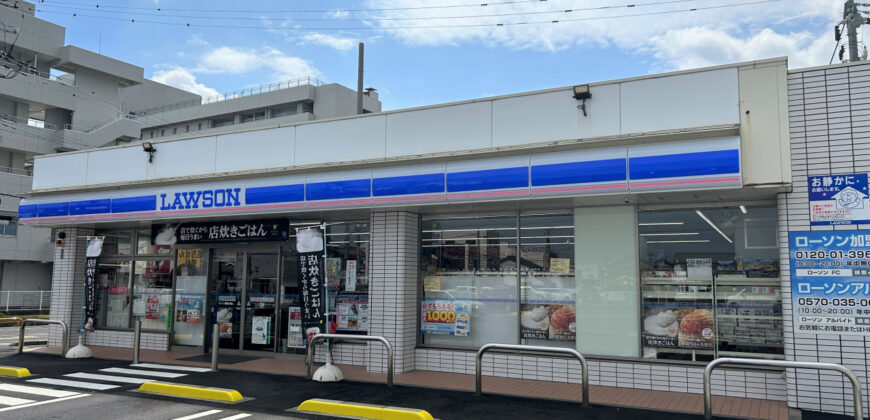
pixel 671 402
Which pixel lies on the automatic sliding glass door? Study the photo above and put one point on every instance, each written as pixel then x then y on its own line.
pixel 260 300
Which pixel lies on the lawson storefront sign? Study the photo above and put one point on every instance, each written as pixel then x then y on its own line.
pixel 679 166
pixel 210 198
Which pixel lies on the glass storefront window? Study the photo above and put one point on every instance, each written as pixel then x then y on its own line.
pixel 190 288
pixel 113 294
pixel 152 294
pixel 469 270
pixel 347 246
pixel 116 242
pixel 547 280
pixel 710 283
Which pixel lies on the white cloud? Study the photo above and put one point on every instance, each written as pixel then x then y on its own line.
pixel 335 42
pixel 182 78
pixel 230 60
pixel 700 47
pixel 677 39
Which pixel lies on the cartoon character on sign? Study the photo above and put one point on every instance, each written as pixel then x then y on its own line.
pixel 850 198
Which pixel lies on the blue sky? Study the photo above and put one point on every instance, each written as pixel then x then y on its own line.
pixel 434 51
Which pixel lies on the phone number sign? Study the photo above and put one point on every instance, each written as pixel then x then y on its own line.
pixel 830 282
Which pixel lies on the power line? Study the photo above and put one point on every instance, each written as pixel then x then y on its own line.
pixel 386 9
pixel 541 12
pixel 363 28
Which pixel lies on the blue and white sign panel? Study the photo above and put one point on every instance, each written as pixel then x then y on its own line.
pixel 839 199
pixel 830 281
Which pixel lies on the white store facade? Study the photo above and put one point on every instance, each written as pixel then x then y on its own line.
pixel 648 230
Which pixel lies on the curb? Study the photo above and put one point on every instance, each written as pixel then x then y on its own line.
pixel 364 411
pixel 14 372
pixel 192 391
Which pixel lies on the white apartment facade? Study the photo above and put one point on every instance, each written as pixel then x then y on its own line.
pixel 64 98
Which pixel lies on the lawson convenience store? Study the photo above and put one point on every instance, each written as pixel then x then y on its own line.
pixel 641 225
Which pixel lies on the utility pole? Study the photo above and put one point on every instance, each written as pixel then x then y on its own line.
pixel 852 19
pixel 359 81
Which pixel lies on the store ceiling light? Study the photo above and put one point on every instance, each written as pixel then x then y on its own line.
pixel 713 225
pixel 661 224
pixel 670 234
pixel 680 242
pixel 743 209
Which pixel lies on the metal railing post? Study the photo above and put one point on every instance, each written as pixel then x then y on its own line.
pixel 478 366
pixel 215 344
pixel 64 334
pixel 21 337
pixel 310 350
pixel 137 331
pixel 708 371
pixel 40 301
pixel 8 294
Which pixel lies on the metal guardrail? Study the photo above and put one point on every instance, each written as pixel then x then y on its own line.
pixel 137 334
pixel 478 370
pixel 319 337
pixel 12 319
pixel 28 300
pixel 708 397
pixel 287 84
pixel 215 345
pixel 64 337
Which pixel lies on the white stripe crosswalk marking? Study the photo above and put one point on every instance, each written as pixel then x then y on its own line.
pixel 143 372
pixel 35 390
pixel 71 397
pixel 108 378
pixel 171 367
pixel 73 384
pixel 236 417
pixel 13 401
pixel 198 415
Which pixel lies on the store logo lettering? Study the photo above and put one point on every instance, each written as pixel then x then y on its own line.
pixel 228 197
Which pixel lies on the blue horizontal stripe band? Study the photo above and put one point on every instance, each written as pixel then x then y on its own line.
pixel 129 204
pixel 579 172
pixel 275 194
pixel 90 207
pixel 27 210
pixel 488 179
pixel 356 188
pixel 408 184
pixel 685 164
pixel 52 209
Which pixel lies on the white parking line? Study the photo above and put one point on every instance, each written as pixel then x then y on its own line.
pixel 13 401
pixel 143 372
pixel 71 397
pixel 73 384
pixel 198 415
pixel 236 417
pixel 35 390
pixel 108 378
pixel 171 367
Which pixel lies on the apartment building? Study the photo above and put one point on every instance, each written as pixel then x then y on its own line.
pixel 61 98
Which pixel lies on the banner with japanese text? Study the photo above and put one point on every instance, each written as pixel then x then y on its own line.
pixel 310 264
pixel 446 317
pixel 830 281
pixel 229 231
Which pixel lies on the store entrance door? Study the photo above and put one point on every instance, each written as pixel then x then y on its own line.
pixel 261 292
pixel 227 284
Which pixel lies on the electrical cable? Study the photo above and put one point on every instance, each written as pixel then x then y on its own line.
pixel 385 9
pixel 541 12
pixel 471 25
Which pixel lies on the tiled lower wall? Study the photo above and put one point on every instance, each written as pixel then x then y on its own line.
pixel 655 376
pixel 147 341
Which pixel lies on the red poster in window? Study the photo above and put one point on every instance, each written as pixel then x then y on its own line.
pixel 152 308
